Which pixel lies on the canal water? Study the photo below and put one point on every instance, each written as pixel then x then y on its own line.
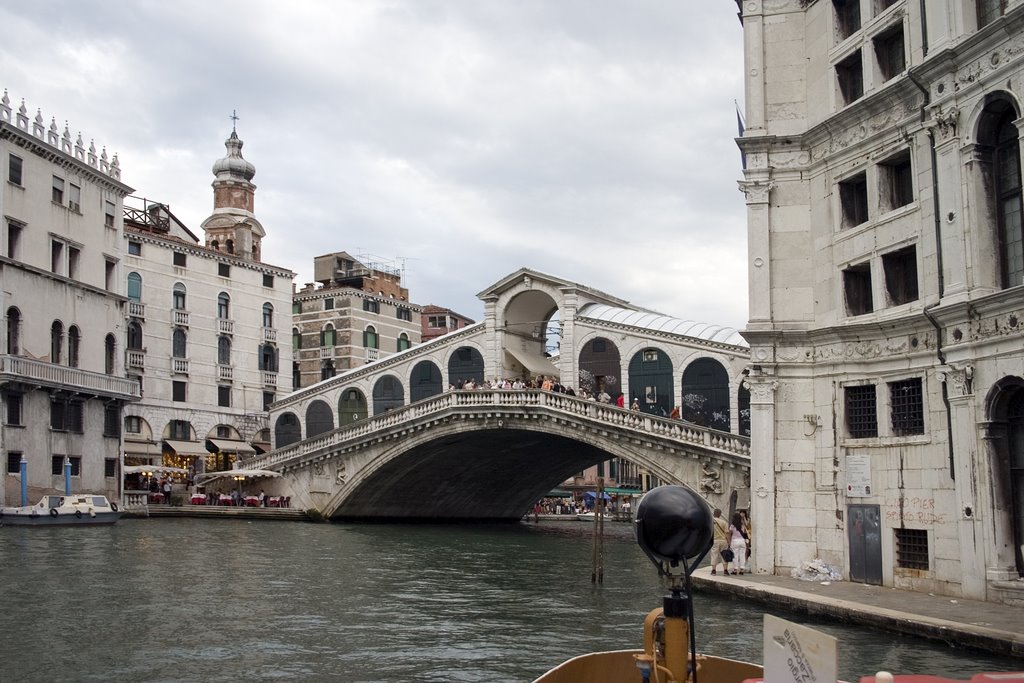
pixel 165 600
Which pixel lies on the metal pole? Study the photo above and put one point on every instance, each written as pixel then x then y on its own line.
pixel 23 470
pixel 67 476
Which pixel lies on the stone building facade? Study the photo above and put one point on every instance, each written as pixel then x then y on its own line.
pixel 437 321
pixel 883 191
pixel 63 297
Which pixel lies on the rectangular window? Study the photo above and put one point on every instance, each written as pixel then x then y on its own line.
pixel 112 420
pixel 328 304
pixel 861 416
pixel 132 424
pixel 371 306
pixel 73 258
pixel 58 415
pixel 900 269
pixel 989 11
pixel 57 465
pixel 890 54
pixel 110 468
pixel 76 465
pixel 436 322
pixel 75 198
pixel 179 258
pixel 13 416
pixel 268 398
pixel 178 392
pixel 850 76
pixel 180 429
pixel 109 274
pixel 109 209
pixel 896 182
pixel 224 270
pixel 58 190
pixel 296 307
pixel 404 314
pixel 268 280
pixel 56 256
pixel 911 548
pixel 13 239
pixel 853 200
pixel 857 289
pixel 882 5
pixel 14 166
pixel 13 462
pixel 75 417
pixel 847 17
pixel 224 396
pixel 135 248
pixel 906 404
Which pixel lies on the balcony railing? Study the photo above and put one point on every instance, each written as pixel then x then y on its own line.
pixel 225 326
pixel 137 309
pixel 135 358
pixel 179 317
pixel 326 352
pixel 63 377
pixel 269 334
pixel 179 366
pixel 372 355
pixel 269 379
pixel 225 373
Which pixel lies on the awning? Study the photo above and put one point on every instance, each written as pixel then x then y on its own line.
pixel 155 469
pixel 142 449
pixel 535 363
pixel 229 446
pixel 206 477
pixel 617 491
pixel 192 449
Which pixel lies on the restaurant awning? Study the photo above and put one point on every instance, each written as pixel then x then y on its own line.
pixel 206 477
pixel 192 449
pixel 229 446
pixel 616 491
pixel 155 469
pixel 534 362
pixel 142 449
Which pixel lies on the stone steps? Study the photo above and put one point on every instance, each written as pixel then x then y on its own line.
pixel 210 511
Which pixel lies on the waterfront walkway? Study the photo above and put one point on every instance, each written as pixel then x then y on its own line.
pixel 985 626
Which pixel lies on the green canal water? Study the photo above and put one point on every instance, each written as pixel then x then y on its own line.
pixel 166 600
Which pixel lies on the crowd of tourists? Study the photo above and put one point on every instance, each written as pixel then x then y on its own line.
pixel 731 542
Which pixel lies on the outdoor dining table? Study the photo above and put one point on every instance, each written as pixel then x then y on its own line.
pixel 156 498
pixel 274 501
pixel 225 500
pixel 252 501
pixel 198 498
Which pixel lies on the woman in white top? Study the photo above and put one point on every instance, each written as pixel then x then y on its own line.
pixel 738 545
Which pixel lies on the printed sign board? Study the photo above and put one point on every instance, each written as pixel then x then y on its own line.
pixel 798 654
pixel 858 476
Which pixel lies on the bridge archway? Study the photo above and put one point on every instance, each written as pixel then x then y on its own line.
pixel 600 367
pixel 287 430
pixel 319 418
pixel 388 394
pixel 650 381
pixel 351 407
pixel 465 363
pixel 425 381
pixel 705 394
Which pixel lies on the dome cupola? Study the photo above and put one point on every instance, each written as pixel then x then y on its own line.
pixel 233 166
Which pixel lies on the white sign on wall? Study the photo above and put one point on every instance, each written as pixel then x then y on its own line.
pixel 858 476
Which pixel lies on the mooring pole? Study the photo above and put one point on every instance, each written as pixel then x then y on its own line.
pixel 597 556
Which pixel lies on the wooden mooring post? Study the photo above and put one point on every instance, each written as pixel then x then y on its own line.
pixel 597 570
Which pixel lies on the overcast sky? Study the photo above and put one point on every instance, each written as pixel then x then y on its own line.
pixel 592 140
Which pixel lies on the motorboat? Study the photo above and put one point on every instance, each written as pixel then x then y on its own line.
pixel 68 509
pixel 674 529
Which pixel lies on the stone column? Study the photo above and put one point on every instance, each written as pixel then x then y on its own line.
pixel 759 282
pixel 762 471
pixel 753 61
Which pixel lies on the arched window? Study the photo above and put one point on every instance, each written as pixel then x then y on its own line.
pixel 134 287
pixel 327 336
pixel 56 341
pixel 178 341
pixel 223 306
pixel 215 245
pixel 13 331
pixel 74 343
pixel 178 296
pixel 1007 185
pixel 231 246
pixel 268 315
pixel 134 336
pixel 403 342
pixel 327 369
pixel 223 350
pixel 109 349
pixel 268 358
pixel 370 339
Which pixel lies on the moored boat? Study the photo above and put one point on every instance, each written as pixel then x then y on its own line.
pixel 63 510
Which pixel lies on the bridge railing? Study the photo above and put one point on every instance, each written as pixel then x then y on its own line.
pixel 611 415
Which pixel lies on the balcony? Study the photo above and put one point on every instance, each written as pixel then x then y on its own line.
pixel 269 379
pixel 179 366
pixel 30 371
pixel 326 352
pixel 137 309
pixel 225 373
pixel 225 326
pixel 179 317
pixel 372 355
pixel 269 334
pixel 135 359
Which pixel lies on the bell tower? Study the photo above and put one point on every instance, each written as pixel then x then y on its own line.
pixel 232 228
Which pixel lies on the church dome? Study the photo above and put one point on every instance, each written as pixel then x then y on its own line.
pixel 233 165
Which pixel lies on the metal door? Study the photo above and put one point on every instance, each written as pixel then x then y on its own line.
pixel 865 532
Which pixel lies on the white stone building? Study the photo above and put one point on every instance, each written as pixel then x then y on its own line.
pixel 207 327
pixel 883 189
pixel 63 296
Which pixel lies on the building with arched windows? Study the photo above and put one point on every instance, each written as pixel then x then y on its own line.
pixel 206 325
pixel 63 300
pixel 882 144
pixel 356 313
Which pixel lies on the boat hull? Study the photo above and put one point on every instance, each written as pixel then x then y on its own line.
pixel 13 517
pixel 619 666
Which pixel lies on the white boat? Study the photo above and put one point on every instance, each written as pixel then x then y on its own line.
pixel 54 510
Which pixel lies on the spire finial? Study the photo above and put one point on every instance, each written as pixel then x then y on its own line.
pixel 234 119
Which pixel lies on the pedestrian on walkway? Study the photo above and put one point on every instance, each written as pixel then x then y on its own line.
pixel 738 545
pixel 721 540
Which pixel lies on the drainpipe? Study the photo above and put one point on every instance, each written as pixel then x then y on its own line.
pixel 924 29
pixel 941 280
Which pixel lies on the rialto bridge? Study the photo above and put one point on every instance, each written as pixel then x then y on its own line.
pixel 398 438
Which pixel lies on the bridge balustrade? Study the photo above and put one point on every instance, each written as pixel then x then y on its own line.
pixel 611 415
